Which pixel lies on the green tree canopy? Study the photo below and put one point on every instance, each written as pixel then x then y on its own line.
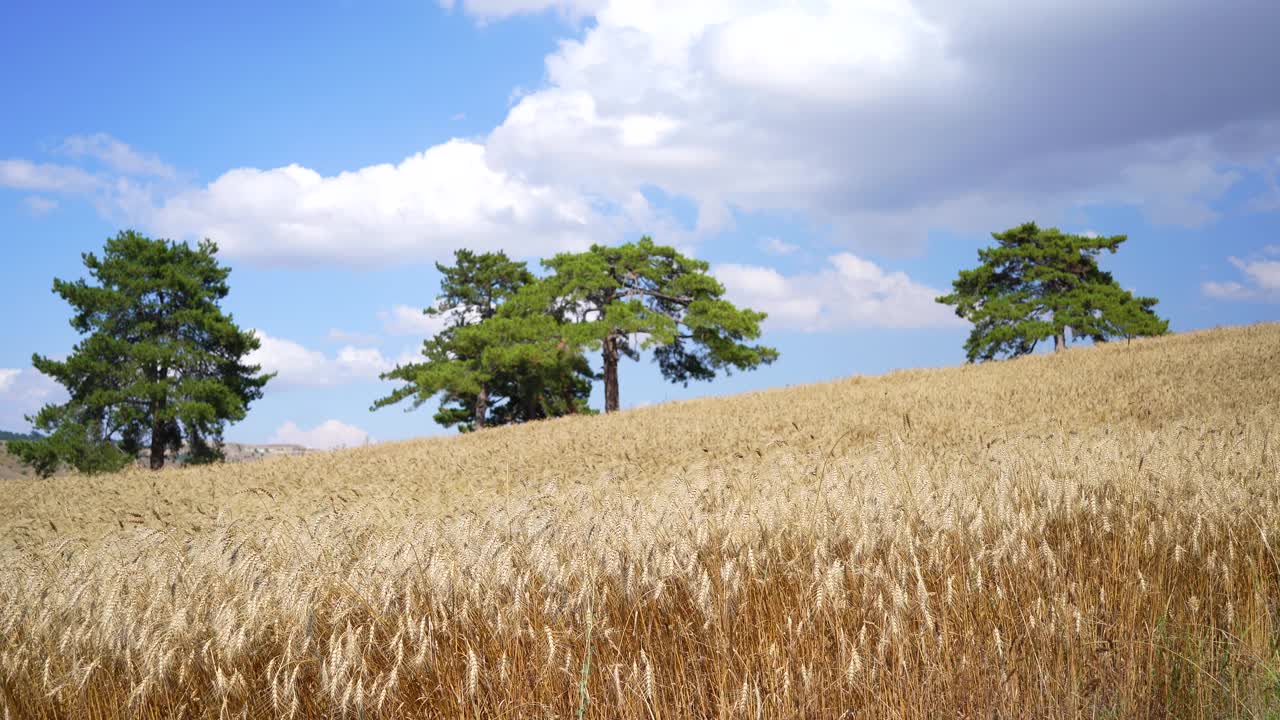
pixel 642 295
pixel 1036 284
pixel 161 365
pixel 476 285
pixel 491 364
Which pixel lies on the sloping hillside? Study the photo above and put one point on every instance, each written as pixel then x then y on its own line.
pixel 1089 534
pixel 10 468
pixel 1223 379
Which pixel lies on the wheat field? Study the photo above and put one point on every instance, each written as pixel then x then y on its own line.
pixel 1091 534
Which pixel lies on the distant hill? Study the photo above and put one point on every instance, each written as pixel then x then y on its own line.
pixel 235 452
pixel 7 435
pixel 11 468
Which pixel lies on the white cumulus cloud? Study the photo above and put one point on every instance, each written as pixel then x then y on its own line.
pixel 1261 279
pixel 422 208
pixel 890 118
pixel 299 366
pixel 406 320
pixel 879 120
pixel 328 435
pixel 23 392
pixel 851 292
pixel 361 363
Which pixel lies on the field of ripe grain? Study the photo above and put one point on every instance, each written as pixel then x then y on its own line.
pixel 1093 534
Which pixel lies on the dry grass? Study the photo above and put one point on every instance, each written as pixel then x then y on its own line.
pixel 1087 535
pixel 10 467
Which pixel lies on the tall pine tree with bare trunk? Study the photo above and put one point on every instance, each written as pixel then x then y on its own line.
pixel 1036 284
pixel 646 296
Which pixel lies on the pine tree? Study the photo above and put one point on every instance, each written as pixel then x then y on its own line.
pixel 642 295
pixel 161 365
pixel 1038 284
pixel 491 364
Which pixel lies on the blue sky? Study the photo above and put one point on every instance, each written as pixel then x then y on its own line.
pixel 836 162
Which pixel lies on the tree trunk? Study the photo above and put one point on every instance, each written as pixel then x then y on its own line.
pixel 482 407
pixel 611 374
pixel 1060 340
pixel 159 428
pixel 159 437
